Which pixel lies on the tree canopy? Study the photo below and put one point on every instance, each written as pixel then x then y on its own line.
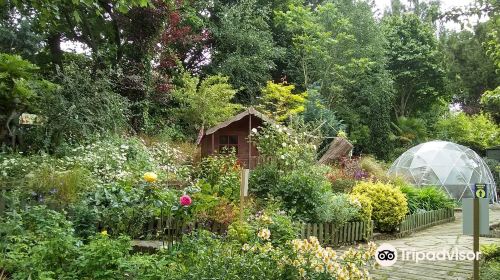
pixel 175 66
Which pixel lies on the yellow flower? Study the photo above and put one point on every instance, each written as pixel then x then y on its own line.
pixel 104 232
pixel 150 177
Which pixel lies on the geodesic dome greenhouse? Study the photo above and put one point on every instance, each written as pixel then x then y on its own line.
pixel 452 167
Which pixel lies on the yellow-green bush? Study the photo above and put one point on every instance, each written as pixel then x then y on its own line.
pixel 365 214
pixel 389 203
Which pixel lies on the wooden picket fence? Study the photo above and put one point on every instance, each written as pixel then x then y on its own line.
pixel 328 234
pixel 171 230
pixel 418 221
pixel 332 235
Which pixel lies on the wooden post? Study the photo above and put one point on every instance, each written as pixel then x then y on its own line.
pixel 243 190
pixel 475 244
pixel 249 139
pixel 213 143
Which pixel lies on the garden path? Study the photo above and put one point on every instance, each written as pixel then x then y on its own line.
pixel 435 239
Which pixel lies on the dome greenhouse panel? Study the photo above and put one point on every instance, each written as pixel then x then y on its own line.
pixel 452 167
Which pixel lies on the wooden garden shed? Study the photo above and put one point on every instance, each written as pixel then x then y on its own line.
pixel 234 133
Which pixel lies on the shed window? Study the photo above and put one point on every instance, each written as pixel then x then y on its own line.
pixel 228 143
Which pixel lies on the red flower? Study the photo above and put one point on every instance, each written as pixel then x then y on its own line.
pixel 185 200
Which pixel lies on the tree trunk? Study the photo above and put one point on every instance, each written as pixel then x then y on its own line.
pixel 54 45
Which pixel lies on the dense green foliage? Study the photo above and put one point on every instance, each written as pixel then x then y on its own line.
pixel 204 103
pixel 478 132
pixel 472 71
pixel 82 107
pixel 426 199
pixel 197 61
pixel 112 87
pixel 413 46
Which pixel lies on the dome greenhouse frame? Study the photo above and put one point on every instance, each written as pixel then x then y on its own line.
pixel 452 167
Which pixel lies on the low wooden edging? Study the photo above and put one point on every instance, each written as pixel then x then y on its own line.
pixel 333 235
pixel 419 221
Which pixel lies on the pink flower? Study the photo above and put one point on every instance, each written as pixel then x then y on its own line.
pixel 185 200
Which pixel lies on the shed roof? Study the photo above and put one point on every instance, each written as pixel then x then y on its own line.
pixel 247 112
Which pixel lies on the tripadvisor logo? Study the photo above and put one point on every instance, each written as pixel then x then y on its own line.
pixel 386 255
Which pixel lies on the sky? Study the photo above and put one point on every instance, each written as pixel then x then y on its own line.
pixel 445 4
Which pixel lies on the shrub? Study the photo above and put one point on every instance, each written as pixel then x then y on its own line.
pixel 101 258
pixel 365 205
pixel 389 203
pixel 432 198
pixel 490 251
pixel 201 256
pixel 37 243
pixel 82 108
pixel 107 160
pixel 426 198
pixel 57 188
pixel 311 261
pixel 221 173
pixel 85 219
pixel 346 171
pixel 264 178
pixel 241 231
pixel 490 269
pixel 338 209
pixel 281 226
pixel 303 192
pixel 211 208
pixel 374 168
pixel 285 148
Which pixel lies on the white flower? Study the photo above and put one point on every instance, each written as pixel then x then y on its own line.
pixel 264 234
pixel 246 247
pixel 254 130
pixel 283 144
pixel 282 156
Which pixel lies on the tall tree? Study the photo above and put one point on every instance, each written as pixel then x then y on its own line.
pixel 338 47
pixel 415 64
pixel 93 23
pixel 242 46
pixel 471 70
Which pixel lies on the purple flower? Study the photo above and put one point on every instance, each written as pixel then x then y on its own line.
pixel 359 174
